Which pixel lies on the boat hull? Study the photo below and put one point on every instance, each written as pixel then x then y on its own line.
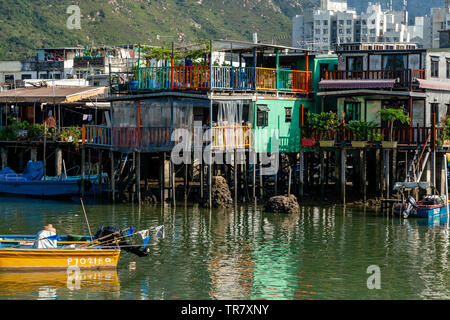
pixel 426 211
pixel 40 188
pixel 58 259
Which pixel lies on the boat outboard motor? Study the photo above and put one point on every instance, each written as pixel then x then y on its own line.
pixel 109 233
pixel 411 205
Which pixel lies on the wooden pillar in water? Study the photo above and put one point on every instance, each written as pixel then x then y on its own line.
pixel 337 171
pixel 58 161
pixel 33 154
pixel 343 178
pixel 394 178
pixel 83 160
pixel 261 181
pixel 433 168
pixel 162 177
pixel 386 174
pixel 99 172
pixel 4 151
pixel 235 176
pixel 173 182
pixel 138 177
pixel 302 173
pixel 211 173
pixel 254 162
pixel 378 172
pixel 112 178
pixel 186 174
pixel 364 174
pixel 322 171
pixel 202 180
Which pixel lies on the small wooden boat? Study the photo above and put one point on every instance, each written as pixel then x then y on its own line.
pixel 17 253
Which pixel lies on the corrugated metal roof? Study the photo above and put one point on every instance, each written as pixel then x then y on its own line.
pixel 50 94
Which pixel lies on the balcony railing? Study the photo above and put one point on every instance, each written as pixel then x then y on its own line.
pixel 407 136
pixel 156 78
pixel 224 78
pixel 404 77
pixel 160 138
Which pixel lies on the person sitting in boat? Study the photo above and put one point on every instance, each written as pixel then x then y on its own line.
pixel 42 241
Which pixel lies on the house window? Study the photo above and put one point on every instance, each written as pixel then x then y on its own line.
pixel 288 113
pixel 26 76
pixel 448 68
pixel 354 63
pixel 9 77
pixel 349 22
pixel 262 116
pixel 435 67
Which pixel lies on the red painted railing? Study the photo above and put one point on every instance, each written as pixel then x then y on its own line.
pixel 195 77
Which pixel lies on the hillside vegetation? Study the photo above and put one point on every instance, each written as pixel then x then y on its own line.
pixel 27 24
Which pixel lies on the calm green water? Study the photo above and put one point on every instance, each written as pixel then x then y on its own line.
pixel 321 253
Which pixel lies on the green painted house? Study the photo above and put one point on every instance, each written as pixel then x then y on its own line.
pixel 281 117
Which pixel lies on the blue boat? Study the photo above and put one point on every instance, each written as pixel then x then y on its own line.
pixel 32 183
pixel 431 206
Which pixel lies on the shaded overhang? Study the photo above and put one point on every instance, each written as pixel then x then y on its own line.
pixel 434 85
pixel 247 47
pixel 368 92
pixel 357 84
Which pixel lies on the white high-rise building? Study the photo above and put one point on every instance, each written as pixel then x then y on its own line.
pixel 334 23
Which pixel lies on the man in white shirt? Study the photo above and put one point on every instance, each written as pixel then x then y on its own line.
pixel 42 241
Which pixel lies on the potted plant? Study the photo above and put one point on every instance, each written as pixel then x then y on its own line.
pixel 71 135
pixel 35 132
pixel 307 133
pixel 392 115
pixel 444 136
pixel 361 131
pixel 377 138
pixel 326 124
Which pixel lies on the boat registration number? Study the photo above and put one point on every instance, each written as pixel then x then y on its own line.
pixel 87 261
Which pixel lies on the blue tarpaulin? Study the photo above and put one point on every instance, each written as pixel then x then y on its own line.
pixel 33 172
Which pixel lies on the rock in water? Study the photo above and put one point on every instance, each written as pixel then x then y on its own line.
pixel 283 204
pixel 221 194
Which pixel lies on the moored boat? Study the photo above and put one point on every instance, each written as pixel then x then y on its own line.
pixel 32 183
pixel 18 252
pixel 102 251
pixel 429 207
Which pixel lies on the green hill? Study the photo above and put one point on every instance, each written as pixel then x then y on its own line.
pixel 27 25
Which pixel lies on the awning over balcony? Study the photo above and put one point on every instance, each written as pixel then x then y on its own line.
pixel 432 84
pixel 356 84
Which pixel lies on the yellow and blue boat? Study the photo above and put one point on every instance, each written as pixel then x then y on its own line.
pixel 17 253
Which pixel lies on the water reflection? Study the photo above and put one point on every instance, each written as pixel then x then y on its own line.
pixel 59 285
pixel 245 253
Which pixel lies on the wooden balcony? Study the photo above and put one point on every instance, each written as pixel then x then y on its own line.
pixel 224 78
pixel 152 139
pixel 404 78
